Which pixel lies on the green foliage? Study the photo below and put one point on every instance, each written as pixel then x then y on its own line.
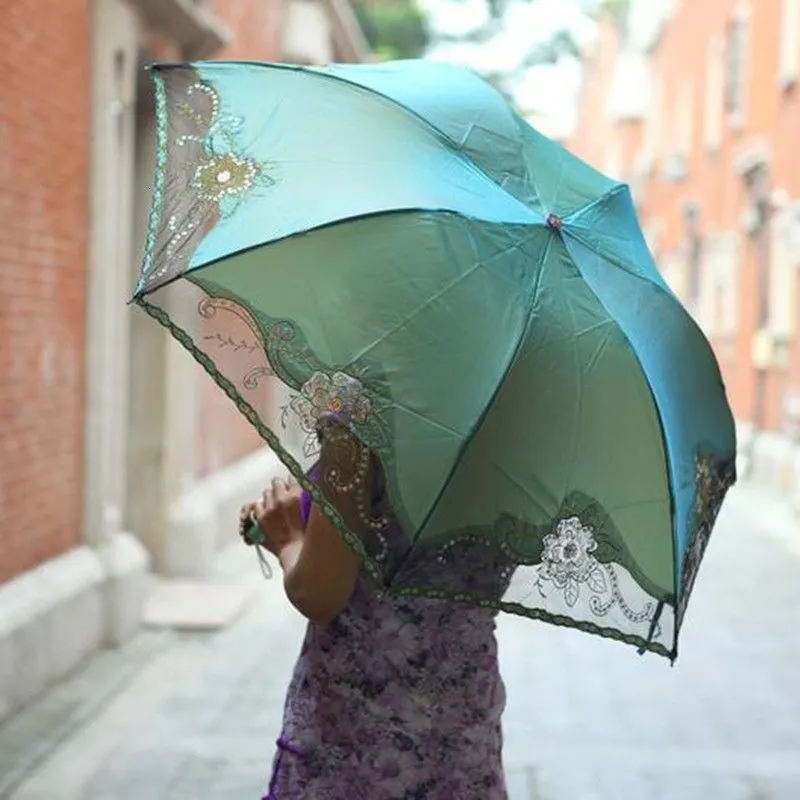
pixel 616 11
pixel 394 28
pixel 398 29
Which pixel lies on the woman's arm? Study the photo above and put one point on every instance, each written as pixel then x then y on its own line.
pixel 320 568
pixel 320 572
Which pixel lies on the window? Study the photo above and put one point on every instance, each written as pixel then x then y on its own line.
pixel 718 307
pixel 790 43
pixel 613 159
pixel 784 263
pixel 736 67
pixel 681 135
pixel 674 273
pixel 675 169
pixel 686 125
pixel 649 151
pixel 694 251
pixel 715 93
pixel 652 234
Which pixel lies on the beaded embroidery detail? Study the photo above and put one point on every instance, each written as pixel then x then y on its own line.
pixel 713 478
pixel 215 180
pixel 338 394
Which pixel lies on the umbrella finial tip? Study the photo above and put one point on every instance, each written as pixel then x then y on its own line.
pixel 554 222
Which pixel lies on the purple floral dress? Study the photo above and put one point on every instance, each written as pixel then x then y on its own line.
pixel 396 699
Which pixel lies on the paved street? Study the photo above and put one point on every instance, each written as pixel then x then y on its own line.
pixel 189 717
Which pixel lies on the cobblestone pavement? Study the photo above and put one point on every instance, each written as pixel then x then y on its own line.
pixel 178 717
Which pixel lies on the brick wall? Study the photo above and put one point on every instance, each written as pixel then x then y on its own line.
pixel 45 118
pixel 44 161
pixel 257 27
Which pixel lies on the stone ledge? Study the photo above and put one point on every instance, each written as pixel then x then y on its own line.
pixel 203 521
pixel 127 568
pixel 54 616
pixel 198 32
pixel 197 605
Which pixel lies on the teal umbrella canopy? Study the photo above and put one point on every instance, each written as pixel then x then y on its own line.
pixel 393 245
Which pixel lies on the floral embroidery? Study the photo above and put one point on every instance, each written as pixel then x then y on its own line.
pixel 215 172
pixel 568 562
pixel 706 481
pixel 223 174
pixel 324 393
pixel 713 478
pixel 208 308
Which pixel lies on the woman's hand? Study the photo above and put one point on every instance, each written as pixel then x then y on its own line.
pixel 278 516
pixel 319 568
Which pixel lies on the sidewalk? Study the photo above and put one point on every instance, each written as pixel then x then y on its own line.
pixel 195 716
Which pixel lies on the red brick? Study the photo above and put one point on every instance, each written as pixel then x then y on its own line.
pixel 45 116
pixel 44 136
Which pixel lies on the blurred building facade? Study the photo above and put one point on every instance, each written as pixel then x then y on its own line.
pixel 118 455
pixel 697 107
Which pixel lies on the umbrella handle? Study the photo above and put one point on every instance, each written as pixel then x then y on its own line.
pixel 253 535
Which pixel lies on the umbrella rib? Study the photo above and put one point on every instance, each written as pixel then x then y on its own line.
pixel 617 188
pixel 611 258
pixel 417 311
pixel 477 426
pixel 578 407
pixel 435 423
pixel 471 435
pixel 666 453
pixel 559 181
pixel 573 226
pixel 639 504
pixel 521 486
pixel 316 228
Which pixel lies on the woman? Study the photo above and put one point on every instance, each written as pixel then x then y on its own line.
pixel 392 698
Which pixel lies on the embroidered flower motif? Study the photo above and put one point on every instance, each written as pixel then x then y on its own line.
pixel 567 560
pixel 712 480
pixel 216 172
pixel 337 393
pixel 223 173
pixel 707 484
pixel 224 176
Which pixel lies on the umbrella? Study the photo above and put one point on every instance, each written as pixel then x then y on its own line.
pixel 393 243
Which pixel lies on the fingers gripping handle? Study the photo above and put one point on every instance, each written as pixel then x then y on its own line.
pixel 253 535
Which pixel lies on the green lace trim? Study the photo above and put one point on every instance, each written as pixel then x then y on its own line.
pixel 266 434
pixel 294 362
pixel 715 474
pixel 523 542
pixel 543 616
pixel 157 207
